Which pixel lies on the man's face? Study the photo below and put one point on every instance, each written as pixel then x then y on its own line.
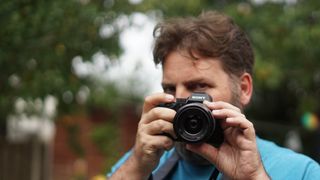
pixel 182 76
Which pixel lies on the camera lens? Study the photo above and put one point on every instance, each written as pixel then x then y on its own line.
pixel 194 123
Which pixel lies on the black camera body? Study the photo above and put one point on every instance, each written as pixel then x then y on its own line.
pixel 193 122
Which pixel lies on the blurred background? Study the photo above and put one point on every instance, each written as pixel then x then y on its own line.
pixel 73 74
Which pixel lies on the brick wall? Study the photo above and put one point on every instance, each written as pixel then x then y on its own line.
pixel 67 164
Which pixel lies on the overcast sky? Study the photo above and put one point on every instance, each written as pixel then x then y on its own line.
pixel 134 71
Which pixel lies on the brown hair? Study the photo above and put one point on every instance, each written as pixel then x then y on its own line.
pixel 211 34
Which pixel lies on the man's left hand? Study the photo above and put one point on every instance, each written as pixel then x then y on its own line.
pixel 238 157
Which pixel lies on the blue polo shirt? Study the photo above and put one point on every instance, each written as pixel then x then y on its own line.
pixel 280 163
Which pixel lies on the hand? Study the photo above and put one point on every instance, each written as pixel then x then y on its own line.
pixel 150 139
pixel 238 157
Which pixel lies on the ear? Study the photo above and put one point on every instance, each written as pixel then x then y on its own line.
pixel 246 87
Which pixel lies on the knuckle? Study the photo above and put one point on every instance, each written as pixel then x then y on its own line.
pixel 141 122
pixel 250 125
pixel 144 141
pixel 147 99
pixel 142 130
pixel 243 116
pixel 156 112
pixel 141 141
pixel 168 143
pixel 148 150
pixel 159 124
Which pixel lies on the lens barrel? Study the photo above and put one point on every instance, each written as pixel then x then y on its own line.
pixel 193 123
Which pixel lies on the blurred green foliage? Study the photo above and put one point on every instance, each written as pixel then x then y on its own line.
pixel 39 39
pixel 287 72
pixel 107 139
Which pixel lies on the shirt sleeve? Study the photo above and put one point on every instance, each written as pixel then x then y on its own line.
pixel 312 171
pixel 119 163
pixel 123 159
pixel 282 163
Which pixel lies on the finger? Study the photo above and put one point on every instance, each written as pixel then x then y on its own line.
pixel 223 124
pixel 154 143
pixel 245 125
pixel 226 113
pixel 221 105
pixel 160 127
pixel 155 99
pixel 205 150
pixel 158 113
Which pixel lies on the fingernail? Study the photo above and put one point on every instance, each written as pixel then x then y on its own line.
pixel 169 97
pixel 215 111
pixel 207 102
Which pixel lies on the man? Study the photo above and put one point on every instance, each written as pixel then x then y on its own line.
pixel 206 54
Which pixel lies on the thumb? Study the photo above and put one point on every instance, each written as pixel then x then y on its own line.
pixel 205 150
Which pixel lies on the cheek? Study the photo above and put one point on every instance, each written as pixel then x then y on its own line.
pixel 221 94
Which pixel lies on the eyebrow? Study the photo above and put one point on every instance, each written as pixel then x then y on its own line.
pixel 191 81
pixel 167 85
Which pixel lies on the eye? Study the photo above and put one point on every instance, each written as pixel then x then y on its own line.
pixel 202 85
pixel 198 87
pixel 169 89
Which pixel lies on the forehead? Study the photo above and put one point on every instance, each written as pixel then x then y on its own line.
pixel 179 67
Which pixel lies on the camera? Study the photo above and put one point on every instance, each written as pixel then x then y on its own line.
pixel 193 122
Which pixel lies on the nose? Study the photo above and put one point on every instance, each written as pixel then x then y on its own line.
pixel 182 92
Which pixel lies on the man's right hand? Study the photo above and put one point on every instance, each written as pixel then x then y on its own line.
pixel 150 139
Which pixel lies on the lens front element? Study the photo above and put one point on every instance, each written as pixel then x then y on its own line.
pixel 194 123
